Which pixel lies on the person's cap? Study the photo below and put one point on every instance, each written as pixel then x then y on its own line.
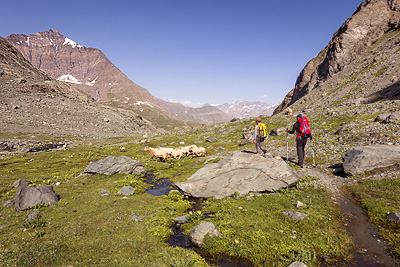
pixel 258 120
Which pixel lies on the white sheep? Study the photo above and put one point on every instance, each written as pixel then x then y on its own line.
pixel 289 111
pixel 166 149
pixel 187 149
pixel 198 151
pixel 122 149
pixel 157 153
pixel 177 153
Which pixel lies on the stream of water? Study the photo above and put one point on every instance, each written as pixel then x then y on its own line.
pixel 371 250
pixel 178 239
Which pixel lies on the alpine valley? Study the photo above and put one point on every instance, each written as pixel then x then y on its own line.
pixel 89 70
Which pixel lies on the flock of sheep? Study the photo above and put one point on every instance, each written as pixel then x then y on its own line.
pixel 176 153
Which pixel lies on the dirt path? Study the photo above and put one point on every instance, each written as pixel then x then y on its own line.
pixel 370 249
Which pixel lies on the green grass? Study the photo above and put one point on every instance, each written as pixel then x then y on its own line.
pixel 85 229
pixel 378 198
pixel 255 229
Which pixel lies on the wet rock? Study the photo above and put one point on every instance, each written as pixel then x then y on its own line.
pixel 361 159
pixel 112 165
pixel 126 191
pixel 240 172
pixel 198 232
pixel 394 216
pixel 295 215
pixel 181 219
pixel 27 197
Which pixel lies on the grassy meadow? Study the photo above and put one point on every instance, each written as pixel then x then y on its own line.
pixel 86 229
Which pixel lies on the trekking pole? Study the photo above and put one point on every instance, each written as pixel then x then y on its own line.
pixel 313 153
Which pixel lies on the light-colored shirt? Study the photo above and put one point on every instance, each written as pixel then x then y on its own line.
pixel 256 132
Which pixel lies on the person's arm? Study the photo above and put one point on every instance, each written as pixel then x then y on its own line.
pixel 294 128
pixel 255 132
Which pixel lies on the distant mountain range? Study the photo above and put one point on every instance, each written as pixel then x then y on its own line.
pixel 247 109
pixel 92 72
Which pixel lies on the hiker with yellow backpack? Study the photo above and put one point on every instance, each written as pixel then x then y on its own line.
pixel 260 133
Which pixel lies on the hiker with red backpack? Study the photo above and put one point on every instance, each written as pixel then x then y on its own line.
pixel 302 128
pixel 260 133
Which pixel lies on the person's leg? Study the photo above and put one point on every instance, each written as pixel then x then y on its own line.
pixel 300 150
pixel 263 149
pixel 258 149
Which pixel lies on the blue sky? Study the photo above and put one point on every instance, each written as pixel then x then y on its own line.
pixel 193 51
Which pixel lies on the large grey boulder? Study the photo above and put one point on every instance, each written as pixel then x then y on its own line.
pixel 240 172
pixel 112 165
pixel 361 159
pixel 27 197
pixel 197 234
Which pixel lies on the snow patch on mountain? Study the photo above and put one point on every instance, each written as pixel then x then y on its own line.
pixel 143 103
pixel 92 83
pixel 68 41
pixel 68 78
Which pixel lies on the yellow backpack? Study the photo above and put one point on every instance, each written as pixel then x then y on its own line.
pixel 262 131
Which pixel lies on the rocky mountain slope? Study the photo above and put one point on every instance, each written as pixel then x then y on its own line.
pixel 33 103
pixel 359 65
pixel 247 109
pixel 91 71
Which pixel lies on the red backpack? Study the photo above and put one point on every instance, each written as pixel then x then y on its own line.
pixel 304 126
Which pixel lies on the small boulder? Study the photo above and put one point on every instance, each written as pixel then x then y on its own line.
pixel 295 215
pixel 9 203
pixel 27 197
pixel 20 182
pixel 278 131
pixel 198 232
pixel 126 191
pixel 382 117
pixel 33 216
pixel 394 216
pixel 112 165
pixel 181 219
pixel 297 264
pixel 361 159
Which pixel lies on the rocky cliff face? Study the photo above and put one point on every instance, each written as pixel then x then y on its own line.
pixel 31 102
pixel 358 63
